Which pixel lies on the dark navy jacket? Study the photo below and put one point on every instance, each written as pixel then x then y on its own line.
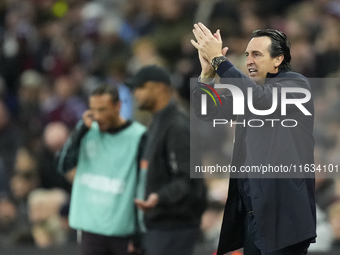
pixel 284 208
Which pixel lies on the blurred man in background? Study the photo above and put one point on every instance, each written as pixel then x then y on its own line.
pixel 173 202
pixel 105 150
pixel 55 136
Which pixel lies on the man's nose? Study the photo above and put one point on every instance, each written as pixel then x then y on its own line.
pixel 250 60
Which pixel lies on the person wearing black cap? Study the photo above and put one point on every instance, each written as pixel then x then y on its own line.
pixel 173 202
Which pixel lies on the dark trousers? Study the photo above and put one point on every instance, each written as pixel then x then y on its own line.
pixel 251 249
pixel 94 244
pixel 170 242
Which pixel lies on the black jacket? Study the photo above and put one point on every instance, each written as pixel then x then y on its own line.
pixel 181 200
pixel 284 208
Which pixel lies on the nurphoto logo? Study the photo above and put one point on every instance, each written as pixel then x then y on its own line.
pixel 238 104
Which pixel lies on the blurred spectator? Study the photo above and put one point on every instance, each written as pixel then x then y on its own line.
pixel 54 137
pixel 325 192
pixel 10 140
pixel 3 90
pixel 29 114
pixel 56 52
pixel 11 63
pixel 116 76
pixel 65 105
pixel 323 231
pixel 136 22
pixel 44 204
pixel 303 61
pixel 79 78
pixel 3 179
pixel 30 85
pixel 334 219
pixel 174 20
pixel 144 53
pixel 111 46
pixel 328 46
pixel 170 195
pixel 65 225
pixel 43 207
pixel 8 221
pixel 211 225
pixel 23 181
pixel 48 233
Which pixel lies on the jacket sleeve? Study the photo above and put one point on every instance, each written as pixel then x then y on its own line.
pixel 178 158
pixel 67 158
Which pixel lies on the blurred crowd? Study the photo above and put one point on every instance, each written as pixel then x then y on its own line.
pixel 54 52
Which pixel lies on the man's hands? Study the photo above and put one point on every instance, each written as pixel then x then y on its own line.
pixel 209 46
pixel 132 249
pixel 148 204
pixel 207 70
pixel 88 118
pixel 71 174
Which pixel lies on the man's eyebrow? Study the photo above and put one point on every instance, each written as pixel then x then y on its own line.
pixel 254 51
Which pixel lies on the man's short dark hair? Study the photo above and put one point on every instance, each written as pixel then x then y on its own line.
pixel 107 89
pixel 280 45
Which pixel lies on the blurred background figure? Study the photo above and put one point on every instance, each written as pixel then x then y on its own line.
pixel 170 194
pixel 334 219
pixel 210 226
pixel 71 234
pixel 117 73
pixel 54 137
pixel 48 234
pixel 104 152
pixel 66 106
pixel 23 181
pixel 8 221
pixel 46 224
pixel 10 142
pixel 29 108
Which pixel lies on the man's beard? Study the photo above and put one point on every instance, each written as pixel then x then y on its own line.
pixel 148 106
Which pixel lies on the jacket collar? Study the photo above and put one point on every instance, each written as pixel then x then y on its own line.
pixel 273 75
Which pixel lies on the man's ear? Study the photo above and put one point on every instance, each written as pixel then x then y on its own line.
pixel 278 61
